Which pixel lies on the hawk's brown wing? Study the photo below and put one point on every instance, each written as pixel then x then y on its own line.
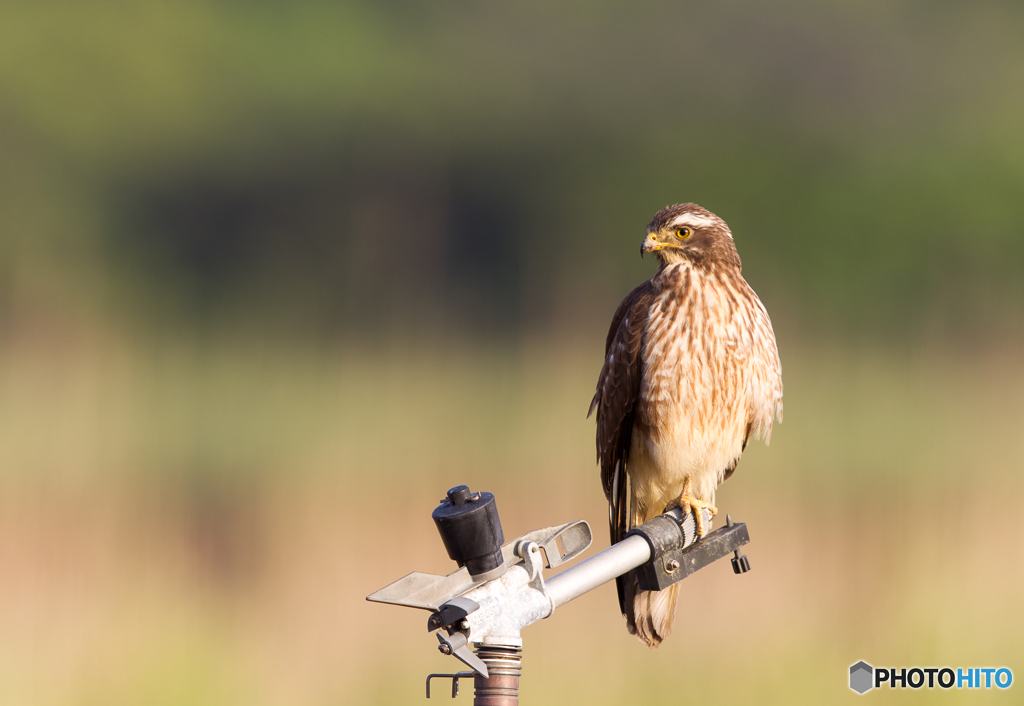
pixel 615 401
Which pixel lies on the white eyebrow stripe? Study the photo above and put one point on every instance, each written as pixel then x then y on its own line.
pixel 696 221
pixel 693 220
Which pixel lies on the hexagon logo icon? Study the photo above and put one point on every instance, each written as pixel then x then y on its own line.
pixel 861 677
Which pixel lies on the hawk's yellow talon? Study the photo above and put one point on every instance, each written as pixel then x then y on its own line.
pixel 688 503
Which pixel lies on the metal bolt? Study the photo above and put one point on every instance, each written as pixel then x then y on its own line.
pixel 444 648
pixel 671 565
pixel 464 625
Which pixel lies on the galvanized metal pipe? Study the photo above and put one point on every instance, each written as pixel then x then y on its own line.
pixel 603 566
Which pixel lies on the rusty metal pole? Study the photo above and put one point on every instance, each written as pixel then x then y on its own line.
pixel 504 666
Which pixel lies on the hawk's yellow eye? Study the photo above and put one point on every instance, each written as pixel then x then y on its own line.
pixel 684 233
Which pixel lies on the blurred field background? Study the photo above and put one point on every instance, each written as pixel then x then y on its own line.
pixel 274 276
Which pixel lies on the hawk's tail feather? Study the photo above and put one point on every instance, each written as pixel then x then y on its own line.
pixel 649 614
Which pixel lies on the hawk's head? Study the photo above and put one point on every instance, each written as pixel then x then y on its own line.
pixel 688 232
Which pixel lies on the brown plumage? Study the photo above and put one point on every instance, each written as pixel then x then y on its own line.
pixel 691 373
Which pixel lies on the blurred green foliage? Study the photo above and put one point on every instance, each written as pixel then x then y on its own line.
pixel 268 270
pixel 340 167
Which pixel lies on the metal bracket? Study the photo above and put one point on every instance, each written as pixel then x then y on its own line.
pixel 452 617
pixel 533 562
pixel 560 544
pixel 457 645
pixel 669 564
pixel 740 562
pixel 455 681
pixel 451 614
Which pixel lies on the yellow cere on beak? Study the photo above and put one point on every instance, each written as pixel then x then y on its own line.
pixel 650 244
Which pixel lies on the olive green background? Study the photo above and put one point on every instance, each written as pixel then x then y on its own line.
pixel 273 276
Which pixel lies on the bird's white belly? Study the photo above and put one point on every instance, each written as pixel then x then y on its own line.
pixel 659 469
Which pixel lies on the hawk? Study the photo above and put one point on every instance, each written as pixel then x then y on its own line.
pixel 691 374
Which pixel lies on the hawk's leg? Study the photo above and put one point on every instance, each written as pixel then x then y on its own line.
pixel 688 503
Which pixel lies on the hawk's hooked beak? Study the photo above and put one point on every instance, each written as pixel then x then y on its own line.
pixel 650 244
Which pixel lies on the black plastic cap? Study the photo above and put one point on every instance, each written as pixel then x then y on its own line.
pixel 740 563
pixel 470 529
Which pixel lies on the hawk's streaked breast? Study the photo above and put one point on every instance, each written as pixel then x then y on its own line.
pixel 710 377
